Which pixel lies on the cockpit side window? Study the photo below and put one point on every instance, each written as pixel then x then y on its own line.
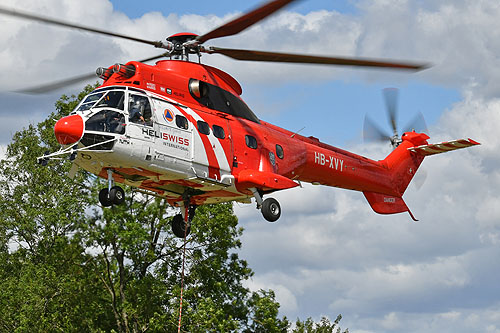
pixel 139 110
pixel 113 99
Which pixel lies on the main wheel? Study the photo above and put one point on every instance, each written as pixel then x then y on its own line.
pixel 117 195
pixel 271 209
pixel 104 198
pixel 179 226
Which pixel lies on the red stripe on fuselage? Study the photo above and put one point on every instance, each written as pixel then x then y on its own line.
pixel 213 164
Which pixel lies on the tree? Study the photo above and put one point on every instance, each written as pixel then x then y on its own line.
pixel 324 326
pixel 69 265
pixel 66 264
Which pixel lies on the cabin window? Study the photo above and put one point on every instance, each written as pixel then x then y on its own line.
pixel 219 132
pixel 181 122
pixel 251 141
pixel 279 152
pixel 106 121
pixel 139 110
pixel 203 127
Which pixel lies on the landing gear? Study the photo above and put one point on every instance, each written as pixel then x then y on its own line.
pixel 117 195
pixel 111 195
pixel 270 208
pixel 104 198
pixel 181 223
pixel 180 227
pixel 114 197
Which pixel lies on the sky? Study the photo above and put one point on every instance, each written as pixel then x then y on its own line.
pixel 330 253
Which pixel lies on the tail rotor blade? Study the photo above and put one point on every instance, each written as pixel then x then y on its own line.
pixel 417 124
pixel 420 178
pixel 391 100
pixel 372 133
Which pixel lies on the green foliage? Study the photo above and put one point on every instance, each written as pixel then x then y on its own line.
pixel 264 313
pixel 324 326
pixel 68 265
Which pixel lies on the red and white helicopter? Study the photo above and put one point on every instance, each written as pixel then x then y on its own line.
pixel 179 129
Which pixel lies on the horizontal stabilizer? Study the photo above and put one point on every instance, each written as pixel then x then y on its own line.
pixel 387 204
pixel 443 147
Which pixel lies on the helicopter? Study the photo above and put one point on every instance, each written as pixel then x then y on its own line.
pixel 179 130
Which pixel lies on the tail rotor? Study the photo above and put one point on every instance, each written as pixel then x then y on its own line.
pixel 373 133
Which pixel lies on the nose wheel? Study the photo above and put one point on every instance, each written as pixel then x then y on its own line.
pixel 115 196
pixel 111 195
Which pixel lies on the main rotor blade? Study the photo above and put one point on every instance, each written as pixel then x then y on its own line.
pixel 45 88
pixel 48 20
pixel 246 20
pixel 417 124
pixel 252 55
pixel 391 100
pixel 48 87
pixel 372 133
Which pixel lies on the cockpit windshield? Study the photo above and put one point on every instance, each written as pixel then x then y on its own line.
pixel 114 99
pixel 106 121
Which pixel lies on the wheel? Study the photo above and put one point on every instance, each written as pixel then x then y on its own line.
pixel 271 209
pixel 117 195
pixel 179 226
pixel 104 198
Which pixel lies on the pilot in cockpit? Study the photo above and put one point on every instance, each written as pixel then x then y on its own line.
pixel 136 110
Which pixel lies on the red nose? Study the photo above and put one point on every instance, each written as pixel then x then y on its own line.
pixel 69 129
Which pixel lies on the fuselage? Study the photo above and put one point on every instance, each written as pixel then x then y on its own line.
pixel 180 127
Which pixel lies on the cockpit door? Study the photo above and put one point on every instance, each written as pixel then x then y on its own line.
pixel 140 125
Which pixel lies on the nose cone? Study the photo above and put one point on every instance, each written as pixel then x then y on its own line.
pixel 69 130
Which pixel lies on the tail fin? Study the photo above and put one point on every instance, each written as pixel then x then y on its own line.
pixel 403 163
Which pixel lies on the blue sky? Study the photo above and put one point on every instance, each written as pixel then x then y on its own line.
pixel 330 253
pixel 341 103
pixel 135 9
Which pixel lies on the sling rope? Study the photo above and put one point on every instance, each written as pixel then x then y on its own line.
pixel 182 276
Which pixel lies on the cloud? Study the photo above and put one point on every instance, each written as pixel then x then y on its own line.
pixel 461 38
pixel 330 253
pixel 387 273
